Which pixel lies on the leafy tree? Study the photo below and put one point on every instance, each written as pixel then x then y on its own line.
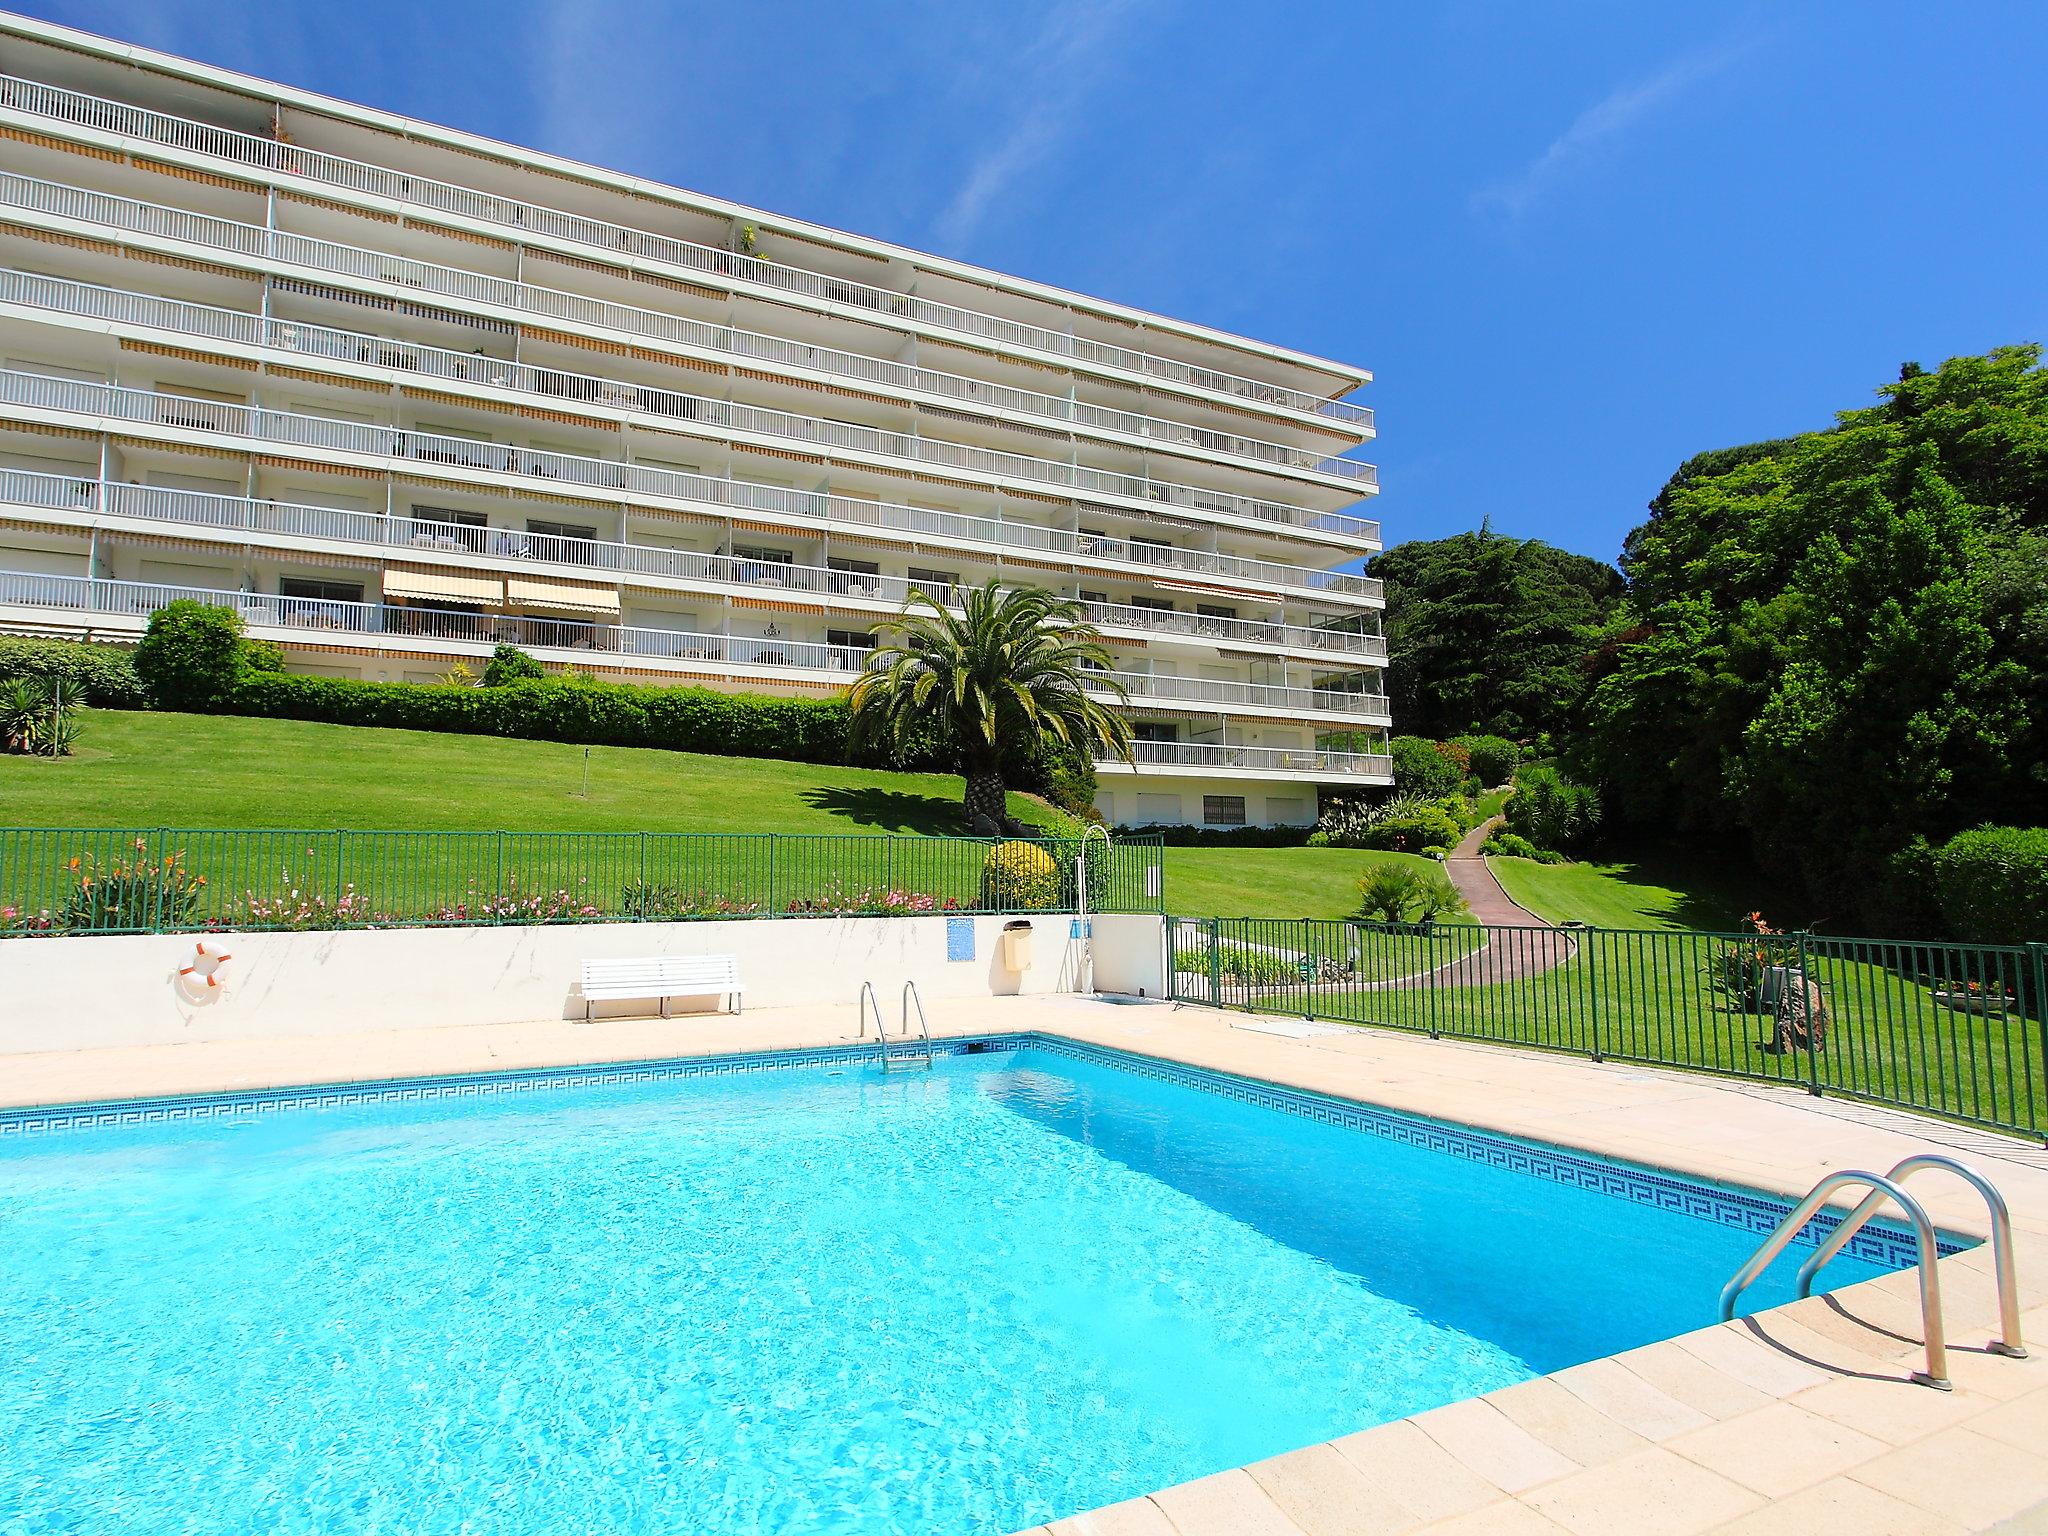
pixel 1424 768
pixel 1838 642
pixel 509 664
pixel 1489 634
pixel 1006 677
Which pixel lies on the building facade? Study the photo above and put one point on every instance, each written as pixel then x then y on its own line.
pixel 399 394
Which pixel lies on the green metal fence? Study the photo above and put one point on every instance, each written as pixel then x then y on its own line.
pixel 182 880
pixel 1953 1029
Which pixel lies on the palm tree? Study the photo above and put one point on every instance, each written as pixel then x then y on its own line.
pixel 1012 672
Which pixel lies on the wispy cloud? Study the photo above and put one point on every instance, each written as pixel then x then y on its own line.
pixel 1047 86
pixel 1601 126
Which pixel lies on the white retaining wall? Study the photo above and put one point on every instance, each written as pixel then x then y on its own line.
pixel 80 993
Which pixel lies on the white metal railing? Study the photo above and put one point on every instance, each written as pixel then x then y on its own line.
pixel 697 414
pixel 270 246
pixel 98 113
pixel 404 535
pixel 1302 760
pixel 1368 707
pixel 615 480
pixel 484 629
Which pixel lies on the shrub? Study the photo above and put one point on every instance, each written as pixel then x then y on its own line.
pixel 1492 758
pixel 1992 884
pixel 1436 897
pixel 1386 890
pixel 1019 877
pixel 191 656
pixel 104 675
pixel 509 664
pixel 1421 769
pixel 1261 967
pixel 1429 828
pixel 609 714
pixel 265 656
pixel 1178 835
pixel 1550 810
pixel 38 718
pixel 1512 845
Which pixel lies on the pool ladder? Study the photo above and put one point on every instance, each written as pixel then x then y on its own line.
pixel 868 1001
pixel 1891 1187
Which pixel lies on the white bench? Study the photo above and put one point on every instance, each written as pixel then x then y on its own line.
pixel 664 977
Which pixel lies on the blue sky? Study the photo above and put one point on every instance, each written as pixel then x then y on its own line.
pixel 1575 241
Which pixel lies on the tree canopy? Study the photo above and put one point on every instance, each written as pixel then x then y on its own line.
pixel 1487 633
pixel 1837 643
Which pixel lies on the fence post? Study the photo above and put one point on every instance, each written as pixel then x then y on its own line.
pixel 2037 952
pixel 498 884
pixel 340 870
pixel 1431 968
pixel 773 839
pixel 1309 971
pixel 156 880
pixel 641 884
pixel 1591 952
pixel 1216 962
pixel 1809 990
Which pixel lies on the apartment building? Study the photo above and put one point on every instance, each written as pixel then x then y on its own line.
pixel 399 393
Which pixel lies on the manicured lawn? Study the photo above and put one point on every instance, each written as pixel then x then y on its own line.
pixel 151 770
pixel 1649 888
pixel 1271 882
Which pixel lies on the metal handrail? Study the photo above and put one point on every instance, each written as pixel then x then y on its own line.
pixel 924 1029
pixel 578 476
pixel 518 301
pixel 867 997
pixel 1931 1327
pixel 1081 902
pixel 45 100
pixel 2010 1343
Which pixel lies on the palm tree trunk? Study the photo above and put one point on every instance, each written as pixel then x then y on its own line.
pixel 986 803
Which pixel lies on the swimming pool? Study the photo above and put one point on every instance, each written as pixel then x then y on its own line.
pixel 785 1293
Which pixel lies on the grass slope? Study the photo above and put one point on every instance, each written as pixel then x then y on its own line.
pixel 149 770
pixel 1271 882
pixel 1642 888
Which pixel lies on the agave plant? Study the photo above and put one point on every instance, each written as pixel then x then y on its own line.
pixel 38 718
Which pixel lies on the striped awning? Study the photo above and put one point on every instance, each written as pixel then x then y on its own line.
pixel 449 586
pixel 565 596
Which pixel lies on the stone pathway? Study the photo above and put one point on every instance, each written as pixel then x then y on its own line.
pixel 1528 947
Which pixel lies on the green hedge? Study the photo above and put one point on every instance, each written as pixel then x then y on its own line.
pixel 1992 884
pixel 191 656
pixel 103 674
pixel 608 714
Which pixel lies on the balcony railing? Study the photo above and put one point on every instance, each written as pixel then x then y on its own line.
pixel 615 240
pixel 699 414
pixel 612 480
pixel 483 629
pixel 1301 760
pixel 402 537
pixel 526 299
pixel 1371 708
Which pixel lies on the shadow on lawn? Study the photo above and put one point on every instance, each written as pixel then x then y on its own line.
pixel 890 810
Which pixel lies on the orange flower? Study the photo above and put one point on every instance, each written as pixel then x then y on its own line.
pixel 74 861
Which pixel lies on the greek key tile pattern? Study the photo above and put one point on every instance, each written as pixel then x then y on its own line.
pixel 1751 1210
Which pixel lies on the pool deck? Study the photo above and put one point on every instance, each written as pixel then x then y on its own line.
pixel 1800 1420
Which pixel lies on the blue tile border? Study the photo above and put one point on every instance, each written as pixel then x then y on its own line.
pixel 1754 1211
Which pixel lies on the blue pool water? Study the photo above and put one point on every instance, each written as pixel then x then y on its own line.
pixel 810 1299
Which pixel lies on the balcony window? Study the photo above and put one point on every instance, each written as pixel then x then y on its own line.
pixel 320 591
pixel 1155 730
pixel 1215 610
pixel 1152 604
pixel 1223 810
pixel 852 639
pixel 449 528
pixel 855 578
pixel 560 530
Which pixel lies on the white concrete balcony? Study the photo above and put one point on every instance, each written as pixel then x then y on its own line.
pixel 1186 759
pixel 317 620
pixel 462 460
pixel 411 538
pixel 670 410
pixel 517 302
pixel 523 220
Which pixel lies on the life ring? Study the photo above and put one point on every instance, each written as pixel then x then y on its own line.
pixel 205 964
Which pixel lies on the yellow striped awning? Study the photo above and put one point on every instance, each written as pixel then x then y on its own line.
pixel 567 596
pixel 448 586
